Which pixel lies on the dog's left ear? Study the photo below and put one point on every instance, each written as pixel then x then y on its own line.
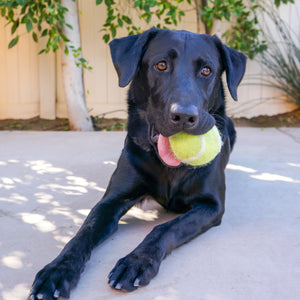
pixel 127 52
pixel 234 64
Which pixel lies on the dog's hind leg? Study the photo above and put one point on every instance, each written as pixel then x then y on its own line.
pixel 62 274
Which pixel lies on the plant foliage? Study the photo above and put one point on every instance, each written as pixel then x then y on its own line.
pixel 281 61
pixel 45 18
pixel 165 13
pixel 243 33
pixel 42 18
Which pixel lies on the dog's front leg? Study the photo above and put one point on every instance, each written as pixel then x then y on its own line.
pixel 142 264
pixel 62 274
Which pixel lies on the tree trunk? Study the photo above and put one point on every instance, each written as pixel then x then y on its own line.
pixel 199 4
pixel 79 118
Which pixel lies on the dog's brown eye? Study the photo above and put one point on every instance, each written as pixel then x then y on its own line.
pixel 205 71
pixel 161 66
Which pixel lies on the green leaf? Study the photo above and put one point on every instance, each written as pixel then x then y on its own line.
pixel 10 14
pixel 238 34
pixel 35 37
pixel 3 11
pixel 146 9
pixel 82 60
pixel 167 21
pixel 210 24
pixel 13 42
pixel 137 4
pixel 44 33
pixel 98 2
pixel 54 47
pixel 113 31
pixel 29 26
pixel 65 39
pixel 226 33
pixel 106 38
pixel 66 50
pixel 23 9
pixel 120 22
pixel 227 15
pixel 14 27
pixel 126 20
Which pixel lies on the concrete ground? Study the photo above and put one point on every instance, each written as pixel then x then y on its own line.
pixel 50 180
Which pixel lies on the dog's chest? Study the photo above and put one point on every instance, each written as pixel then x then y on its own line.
pixel 175 193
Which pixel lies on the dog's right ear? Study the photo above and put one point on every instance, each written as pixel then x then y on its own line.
pixel 127 52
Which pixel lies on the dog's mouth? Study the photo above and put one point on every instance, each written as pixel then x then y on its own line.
pixel 163 148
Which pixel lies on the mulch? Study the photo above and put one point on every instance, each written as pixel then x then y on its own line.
pixel 291 119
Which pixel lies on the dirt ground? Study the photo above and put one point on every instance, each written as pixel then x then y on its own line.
pixel 291 119
pixel 38 124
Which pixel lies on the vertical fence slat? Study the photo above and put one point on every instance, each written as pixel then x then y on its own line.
pixel 47 83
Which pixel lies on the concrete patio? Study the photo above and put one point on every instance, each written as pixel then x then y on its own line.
pixel 50 180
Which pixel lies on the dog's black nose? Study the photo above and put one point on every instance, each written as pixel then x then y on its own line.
pixel 184 117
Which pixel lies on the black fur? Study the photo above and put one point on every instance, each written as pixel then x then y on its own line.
pixel 159 102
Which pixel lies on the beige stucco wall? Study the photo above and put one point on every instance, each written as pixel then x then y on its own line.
pixel 31 85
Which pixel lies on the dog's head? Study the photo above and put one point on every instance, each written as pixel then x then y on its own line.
pixel 176 77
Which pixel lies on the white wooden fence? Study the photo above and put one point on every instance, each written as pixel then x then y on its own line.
pixel 31 84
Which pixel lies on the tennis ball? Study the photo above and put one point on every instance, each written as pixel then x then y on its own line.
pixel 196 150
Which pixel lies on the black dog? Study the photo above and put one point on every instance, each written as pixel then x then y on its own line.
pixel 176 86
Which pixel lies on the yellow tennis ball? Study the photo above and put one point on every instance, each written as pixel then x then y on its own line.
pixel 196 150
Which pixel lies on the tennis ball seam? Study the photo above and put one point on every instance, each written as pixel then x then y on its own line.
pixel 199 154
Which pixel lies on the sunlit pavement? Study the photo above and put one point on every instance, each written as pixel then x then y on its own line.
pixel 50 180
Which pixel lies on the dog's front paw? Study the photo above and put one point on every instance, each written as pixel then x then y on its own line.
pixel 53 281
pixel 133 271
